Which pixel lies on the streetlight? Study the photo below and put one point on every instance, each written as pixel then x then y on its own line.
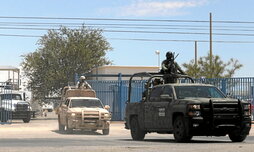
pixel 157 52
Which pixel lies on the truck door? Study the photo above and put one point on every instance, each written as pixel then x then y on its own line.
pixel 64 109
pixel 151 109
pixel 166 101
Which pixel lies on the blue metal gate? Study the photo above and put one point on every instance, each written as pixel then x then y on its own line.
pixel 5 104
pixel 114 93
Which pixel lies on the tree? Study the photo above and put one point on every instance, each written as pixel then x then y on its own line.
pixel 218 69
pixel 61 54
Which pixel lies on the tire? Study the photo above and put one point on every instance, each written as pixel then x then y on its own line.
pixel 105 131
pixel 68 130
pixel 136 132
pixel 237 136
pixel 181 130
pixel 26 120
pixel 50 110
pixel 60 126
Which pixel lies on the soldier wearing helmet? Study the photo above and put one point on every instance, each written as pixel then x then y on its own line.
pixel 169 66
pixel 82 84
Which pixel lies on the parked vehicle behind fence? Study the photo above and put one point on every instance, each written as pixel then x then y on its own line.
pixel 14 103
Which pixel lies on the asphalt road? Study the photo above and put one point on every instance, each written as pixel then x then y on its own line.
pixel 41 135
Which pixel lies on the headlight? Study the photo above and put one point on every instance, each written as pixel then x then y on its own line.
pixel 194 110
pixel 246 106
pixel 106 115
pixel 194 107
pixel 73 114
pixel 194 113
pixel 247 109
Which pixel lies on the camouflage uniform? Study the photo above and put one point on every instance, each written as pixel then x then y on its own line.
pixel 169 66
pixel 82 84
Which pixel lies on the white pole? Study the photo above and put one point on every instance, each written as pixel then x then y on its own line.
pixel 158 53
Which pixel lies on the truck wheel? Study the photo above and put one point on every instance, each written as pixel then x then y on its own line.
pixel 68 130
pixel 136 132
pixel 237 136
pixel 105 131
pixel 181 133
pixel 26 120
pixel 60 126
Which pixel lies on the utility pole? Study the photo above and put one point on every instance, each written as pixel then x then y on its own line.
pixel 196 54
pixel 211 41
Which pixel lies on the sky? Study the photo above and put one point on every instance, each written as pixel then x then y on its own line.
pixel 159 20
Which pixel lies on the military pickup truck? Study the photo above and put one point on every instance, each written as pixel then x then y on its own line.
pixel 186 110
pixel 80 109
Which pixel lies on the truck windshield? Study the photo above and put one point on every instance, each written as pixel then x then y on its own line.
pixel 90 103
pixel 11 97
pixel 198 92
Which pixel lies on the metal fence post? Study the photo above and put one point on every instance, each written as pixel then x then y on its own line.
pixel 224 86
pixel 76 78
pixel 120 95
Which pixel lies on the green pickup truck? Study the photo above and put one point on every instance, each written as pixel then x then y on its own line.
pixel 186 110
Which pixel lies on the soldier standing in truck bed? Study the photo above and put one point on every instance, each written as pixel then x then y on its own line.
pixel 82 84
pixel 169 66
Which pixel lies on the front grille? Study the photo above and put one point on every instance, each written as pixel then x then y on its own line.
pixel 90 116
pixel 22 107
pixel 221 109
pixel 217 112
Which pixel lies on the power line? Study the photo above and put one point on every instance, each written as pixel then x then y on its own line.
pixel 105 19
pixel 169 28
pixel 141 39
pixel 157 26
pixel 120 19
pixel 172 40
pixel 108 24
pixel 131 26
pixel 143 32
pixel 19 35
pixel 186 33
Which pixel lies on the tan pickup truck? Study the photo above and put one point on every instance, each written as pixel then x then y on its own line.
pixel 80 109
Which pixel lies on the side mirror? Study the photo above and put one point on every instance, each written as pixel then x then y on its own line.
pixel 107 107
pixel 24 96
pixel 166 97
pixel 229 95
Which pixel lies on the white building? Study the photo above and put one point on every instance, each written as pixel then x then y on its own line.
pixel 10 73
pixel 124 70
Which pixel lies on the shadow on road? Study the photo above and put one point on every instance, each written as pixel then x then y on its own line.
pixel 78 132
pixel 173 141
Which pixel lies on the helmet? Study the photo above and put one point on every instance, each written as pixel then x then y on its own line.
pixel 82 78
pixel 169 55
